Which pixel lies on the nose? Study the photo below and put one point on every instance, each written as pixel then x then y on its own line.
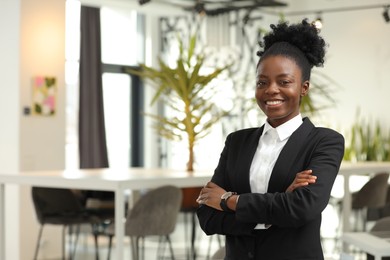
pixel 272 89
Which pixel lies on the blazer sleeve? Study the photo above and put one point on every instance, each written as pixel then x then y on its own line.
pixel 213 221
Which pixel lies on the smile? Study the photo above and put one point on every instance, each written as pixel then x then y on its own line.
pixel 273 102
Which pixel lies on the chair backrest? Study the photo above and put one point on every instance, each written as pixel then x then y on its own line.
pixel 373 193
pixel 155 213
pixel 50 202
pixel 219 254
pixel 382 224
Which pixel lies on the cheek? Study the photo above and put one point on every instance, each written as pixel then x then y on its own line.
pixel 258 93
pixel 258 97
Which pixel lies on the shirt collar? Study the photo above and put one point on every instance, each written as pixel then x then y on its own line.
pixel 285 130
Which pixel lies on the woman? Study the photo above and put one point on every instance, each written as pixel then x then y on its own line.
pixel 272 183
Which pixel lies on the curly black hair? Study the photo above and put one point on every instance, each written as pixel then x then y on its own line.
pixel 300 41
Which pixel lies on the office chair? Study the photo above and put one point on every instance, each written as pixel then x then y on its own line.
pixel 381 225
pixel 371 195
pixel 154 214
pixel 60 207
pixel 381 212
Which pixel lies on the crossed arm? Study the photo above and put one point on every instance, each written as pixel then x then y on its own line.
pixel 211 193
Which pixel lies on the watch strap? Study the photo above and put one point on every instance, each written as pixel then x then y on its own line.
pixel 223 203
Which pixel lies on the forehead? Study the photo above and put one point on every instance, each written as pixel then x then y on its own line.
pixel 278 64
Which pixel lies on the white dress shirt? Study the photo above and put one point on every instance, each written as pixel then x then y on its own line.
pixel 270 145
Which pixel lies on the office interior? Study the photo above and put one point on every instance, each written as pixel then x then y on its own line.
pixel 35 41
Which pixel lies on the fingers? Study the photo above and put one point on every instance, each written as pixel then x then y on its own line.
pixel 302 179
pixel 203 195
pixel 201 199
pixel 210 195
pixel 210 185
pixel 305 175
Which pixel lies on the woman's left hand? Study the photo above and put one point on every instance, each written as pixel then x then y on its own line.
pixel 210 195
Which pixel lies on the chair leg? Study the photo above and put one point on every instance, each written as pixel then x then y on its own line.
pixel 142 248
pixel 160 248
pixel 193 251
pixel 135 247
pixel 95 232
pixel 96 246
pixel 76 241
pixel 63 242
pixel 170 247
pixel 38 242
pixel 110 237
pixel 186 235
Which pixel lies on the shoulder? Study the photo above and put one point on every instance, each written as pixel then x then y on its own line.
pixel 320 133
pixel 244 136
pixel 246 132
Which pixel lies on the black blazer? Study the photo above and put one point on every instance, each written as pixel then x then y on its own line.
pixel 295 216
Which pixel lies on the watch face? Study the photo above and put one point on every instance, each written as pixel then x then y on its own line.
pixel 226 195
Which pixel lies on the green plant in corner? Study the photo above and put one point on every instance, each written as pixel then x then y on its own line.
pixel 185 89
pixel 367 142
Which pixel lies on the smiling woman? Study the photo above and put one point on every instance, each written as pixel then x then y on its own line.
pixel 273 182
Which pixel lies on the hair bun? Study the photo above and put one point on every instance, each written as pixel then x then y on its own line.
pixel 304 36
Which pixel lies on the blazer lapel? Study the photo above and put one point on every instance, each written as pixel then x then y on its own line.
pixel 251 143
pixel 287 156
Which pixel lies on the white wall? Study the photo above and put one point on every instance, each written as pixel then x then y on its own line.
pixel 32 44
pixel 358 59
pixel 9 116
pixel 42 138
pixel 42 54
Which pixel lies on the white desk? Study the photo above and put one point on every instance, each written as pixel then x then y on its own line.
pixel 117 180
pixel 376 243
pixel 360 168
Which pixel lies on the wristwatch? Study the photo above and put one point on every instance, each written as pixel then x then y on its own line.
pixel 224 199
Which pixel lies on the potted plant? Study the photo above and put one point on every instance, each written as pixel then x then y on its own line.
pixel 367 142
pixel 185 89
pixel 187 92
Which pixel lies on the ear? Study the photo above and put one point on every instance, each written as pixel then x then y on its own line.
pixel 305 88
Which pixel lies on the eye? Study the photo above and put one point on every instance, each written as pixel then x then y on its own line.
pixel 285 82
pixel 261 84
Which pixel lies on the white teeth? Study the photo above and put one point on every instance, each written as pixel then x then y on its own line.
pixel 273 102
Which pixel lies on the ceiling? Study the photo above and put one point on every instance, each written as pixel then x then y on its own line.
pixel 217 7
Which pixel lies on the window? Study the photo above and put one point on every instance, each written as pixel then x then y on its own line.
pixel 120 46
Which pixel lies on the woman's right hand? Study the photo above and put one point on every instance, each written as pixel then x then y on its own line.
pixel 302 178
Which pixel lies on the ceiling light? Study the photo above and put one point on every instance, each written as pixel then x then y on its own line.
pixel 318 22
pixel 386 14
pixel 199 8
pixel 142 2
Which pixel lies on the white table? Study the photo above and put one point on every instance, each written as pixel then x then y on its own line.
pixel 348 169
pixel 376 243
pixel 116 180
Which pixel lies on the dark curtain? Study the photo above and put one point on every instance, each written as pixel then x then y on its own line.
pixel 92 134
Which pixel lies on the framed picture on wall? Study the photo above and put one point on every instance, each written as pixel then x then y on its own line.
pixel 44 95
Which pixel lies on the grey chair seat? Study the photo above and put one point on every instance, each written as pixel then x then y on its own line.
pixel 154 214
